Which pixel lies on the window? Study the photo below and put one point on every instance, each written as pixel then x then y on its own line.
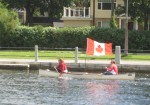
pixel 100 24
pixel 105 4
pixel 104 24
pixel 99 5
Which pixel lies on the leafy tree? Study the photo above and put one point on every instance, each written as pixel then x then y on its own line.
pixel 8 19
pixel 8 22
pixel 53 7
pixel 138 10
pixel 29 6
pixel 81 3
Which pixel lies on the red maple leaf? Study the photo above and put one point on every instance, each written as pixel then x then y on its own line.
pixel 99 49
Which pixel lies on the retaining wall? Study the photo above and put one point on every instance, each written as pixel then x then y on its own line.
pixel 89 67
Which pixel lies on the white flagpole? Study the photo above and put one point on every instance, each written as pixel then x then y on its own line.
pixel 85 61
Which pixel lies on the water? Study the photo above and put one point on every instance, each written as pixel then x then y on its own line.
pixel 22 88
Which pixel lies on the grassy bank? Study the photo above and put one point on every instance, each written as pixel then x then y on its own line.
pixel 47 54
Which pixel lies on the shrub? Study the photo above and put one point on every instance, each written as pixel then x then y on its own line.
pixel 69 37
pixel 113 23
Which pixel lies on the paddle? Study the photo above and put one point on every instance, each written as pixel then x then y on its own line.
pixel 56 69
pixel 58 72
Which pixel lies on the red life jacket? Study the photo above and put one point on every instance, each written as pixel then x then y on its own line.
pixel 62 66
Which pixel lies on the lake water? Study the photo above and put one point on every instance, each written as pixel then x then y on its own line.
pixel 22 88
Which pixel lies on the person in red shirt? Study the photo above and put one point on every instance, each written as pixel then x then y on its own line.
pixel 112 70
pixel 61 67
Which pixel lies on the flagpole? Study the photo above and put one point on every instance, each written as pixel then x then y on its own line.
pixel 86 53
pixel 85 62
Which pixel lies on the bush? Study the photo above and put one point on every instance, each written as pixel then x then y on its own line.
pixel 113 23
pixel 139 40
pixel 69 37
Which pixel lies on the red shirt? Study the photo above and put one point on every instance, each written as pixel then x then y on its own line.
pixel 62 66
pixel 113 68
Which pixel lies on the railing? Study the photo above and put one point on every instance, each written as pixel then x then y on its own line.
pixel 43 53
pixel 82 12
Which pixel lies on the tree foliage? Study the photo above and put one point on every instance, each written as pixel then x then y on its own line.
pixel 53 7
pixel 81 3
pixel 8 23
pixel 138 10
pixel 29 6
pixel 113 23
pixel 8 19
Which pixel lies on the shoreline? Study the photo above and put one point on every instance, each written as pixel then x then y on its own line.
pixel 82 65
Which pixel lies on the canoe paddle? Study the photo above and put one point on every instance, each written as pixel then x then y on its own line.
pixel 56 69
pixel 58 72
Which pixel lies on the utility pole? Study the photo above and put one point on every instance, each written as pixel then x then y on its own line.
pixel 126 31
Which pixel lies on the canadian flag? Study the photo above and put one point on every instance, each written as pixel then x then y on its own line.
pixel 96 48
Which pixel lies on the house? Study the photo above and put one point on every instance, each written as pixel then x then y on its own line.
pixel 98 14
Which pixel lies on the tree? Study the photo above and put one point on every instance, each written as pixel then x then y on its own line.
pixel 53 7
pixel 8 22
pixel 8 19
pixel 29 5
pixel 138 10
pixel 81 3
pixel 113 23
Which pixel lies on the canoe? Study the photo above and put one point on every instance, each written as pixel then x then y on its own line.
pixel 84 75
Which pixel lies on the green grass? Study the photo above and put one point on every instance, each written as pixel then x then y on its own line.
pixel 136 57
pixel 47 54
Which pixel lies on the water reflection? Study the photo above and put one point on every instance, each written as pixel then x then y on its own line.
pixel 22 88
pixel 102 91
pixel 63 85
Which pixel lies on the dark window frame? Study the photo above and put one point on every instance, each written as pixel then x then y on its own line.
pixel 101 6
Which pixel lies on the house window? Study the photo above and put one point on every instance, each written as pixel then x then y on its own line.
pixel 99 5
pixel 99 24
pixel 106 4
pixel 104 24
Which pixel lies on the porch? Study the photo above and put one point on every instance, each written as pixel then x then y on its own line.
pixel 76 12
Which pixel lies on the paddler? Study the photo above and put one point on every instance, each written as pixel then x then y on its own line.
pixel 61 67
pixel 112 70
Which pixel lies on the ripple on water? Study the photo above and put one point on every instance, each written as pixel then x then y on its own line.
pixel 20 88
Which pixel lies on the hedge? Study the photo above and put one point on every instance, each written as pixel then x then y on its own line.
pixel 69 37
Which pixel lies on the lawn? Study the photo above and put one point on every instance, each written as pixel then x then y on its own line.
pixel 48 54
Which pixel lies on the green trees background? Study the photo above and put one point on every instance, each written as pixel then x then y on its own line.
pixel 8 23
pixel 138 10
pixel 53 7
pixel 14 35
